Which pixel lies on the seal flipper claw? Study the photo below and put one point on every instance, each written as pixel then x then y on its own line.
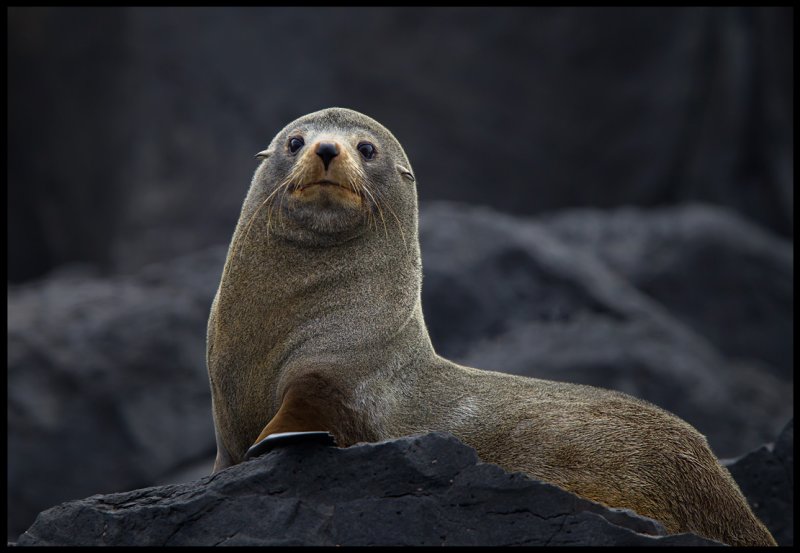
pixel 286 438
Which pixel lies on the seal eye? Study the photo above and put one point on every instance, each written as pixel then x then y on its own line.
pixel 367 150
pixel 295 143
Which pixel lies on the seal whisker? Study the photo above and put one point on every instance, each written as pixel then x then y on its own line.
pixel 357 187
pixel 269 220
pixel 380 211
pixel 270 208
pixel 249 223
pixel 280 192
pixel 366 206
pixel 280 200
pixel 357 181
pixel 399 225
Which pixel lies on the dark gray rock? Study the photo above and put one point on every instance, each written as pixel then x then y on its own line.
pixel 421 490
pixel 108 388
pixel 727 279
pixel 766 477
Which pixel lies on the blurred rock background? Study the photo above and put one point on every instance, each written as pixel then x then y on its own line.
pixel 624 180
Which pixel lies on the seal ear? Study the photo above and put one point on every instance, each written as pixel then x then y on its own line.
pixel 405 172
pixel 263 154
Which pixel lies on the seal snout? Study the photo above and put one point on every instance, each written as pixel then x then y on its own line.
pixel 327 151
pixel 326 174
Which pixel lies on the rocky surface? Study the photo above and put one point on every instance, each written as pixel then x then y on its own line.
pixel 766 477
pixel 110 371
pixel 727 279
pixel 108 388
pixel 421 490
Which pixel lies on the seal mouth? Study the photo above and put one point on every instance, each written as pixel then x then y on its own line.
pixel 325 193
pixel 324 182
pixel 324 186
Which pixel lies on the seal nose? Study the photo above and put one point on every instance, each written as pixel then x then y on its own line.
pixel 327 151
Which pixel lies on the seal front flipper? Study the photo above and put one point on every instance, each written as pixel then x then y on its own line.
pixel 301 418
pixel 311 410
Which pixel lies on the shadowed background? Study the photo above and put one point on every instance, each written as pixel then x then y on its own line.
pixel 131 140
pixel 132 131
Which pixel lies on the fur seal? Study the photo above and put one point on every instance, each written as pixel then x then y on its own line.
pixel 317 326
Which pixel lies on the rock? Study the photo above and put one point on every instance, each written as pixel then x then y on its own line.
pixel 420 490
pixel 725 278
pixel 108 388
pixel 766 477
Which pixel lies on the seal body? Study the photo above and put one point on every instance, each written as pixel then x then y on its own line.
pixel 317 325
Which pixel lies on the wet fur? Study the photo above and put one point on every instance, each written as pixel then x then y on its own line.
pixel 317 325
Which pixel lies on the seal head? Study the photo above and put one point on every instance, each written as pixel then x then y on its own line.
pixel 327 177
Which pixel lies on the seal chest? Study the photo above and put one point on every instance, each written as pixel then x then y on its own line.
pixel 317 327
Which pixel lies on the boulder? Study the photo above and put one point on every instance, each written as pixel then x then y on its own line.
pixel 108 389
pixel 419 490
pixel 727 279
pixel 766 477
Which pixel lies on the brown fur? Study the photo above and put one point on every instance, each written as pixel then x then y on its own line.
pixel 317 325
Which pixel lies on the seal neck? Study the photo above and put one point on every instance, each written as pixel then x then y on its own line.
pixel 353 307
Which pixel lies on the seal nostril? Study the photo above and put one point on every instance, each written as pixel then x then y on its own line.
pixel 327 151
